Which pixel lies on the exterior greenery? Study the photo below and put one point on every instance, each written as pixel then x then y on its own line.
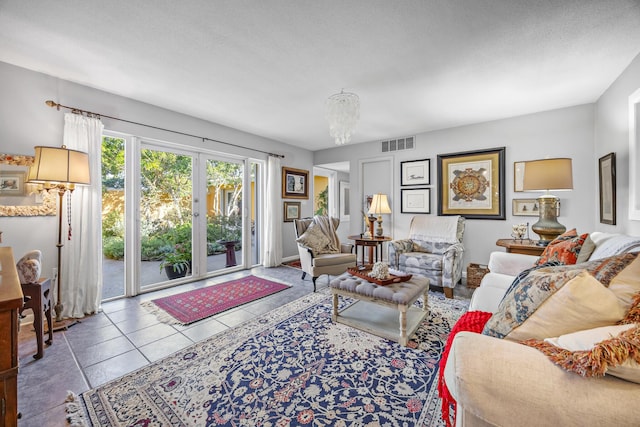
pixel 166 208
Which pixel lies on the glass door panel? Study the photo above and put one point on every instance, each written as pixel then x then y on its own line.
pixel 224 213
pixel 165 226
pixel 113 218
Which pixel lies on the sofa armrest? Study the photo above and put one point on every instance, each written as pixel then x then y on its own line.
pixel 396 247
pixel 452 265
pixel 509 263
pixel 346 248
pixel 505 383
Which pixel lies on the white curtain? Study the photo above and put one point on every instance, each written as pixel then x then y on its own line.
pixel 272 256
pixel 81 278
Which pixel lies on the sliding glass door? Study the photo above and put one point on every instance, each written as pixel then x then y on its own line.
pixel 171 215
pixel 165 215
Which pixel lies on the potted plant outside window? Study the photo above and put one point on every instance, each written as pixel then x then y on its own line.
pixel 178 262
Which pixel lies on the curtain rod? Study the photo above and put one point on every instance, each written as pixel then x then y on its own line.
pixel 52 104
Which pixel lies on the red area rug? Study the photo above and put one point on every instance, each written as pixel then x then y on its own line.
pixel 294 264
pixel 198 304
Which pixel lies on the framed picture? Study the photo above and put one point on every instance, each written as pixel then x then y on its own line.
pixel 295 183
pixel 415 172
pixel 415 200
pixel 471 184
pixel 291 211
pixel 12 184
pixel 607 168
pixel 518 176
pixel 528 207
pixel 525 207
pixel 345 214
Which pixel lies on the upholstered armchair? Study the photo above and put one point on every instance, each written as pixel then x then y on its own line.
pixel 434 249
pixel 320 249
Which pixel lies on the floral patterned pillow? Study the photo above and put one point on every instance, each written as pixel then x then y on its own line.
pixel 565 248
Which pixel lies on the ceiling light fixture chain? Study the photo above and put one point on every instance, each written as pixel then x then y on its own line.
pixel 343 113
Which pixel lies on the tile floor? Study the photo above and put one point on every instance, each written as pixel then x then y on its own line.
pixel 125 337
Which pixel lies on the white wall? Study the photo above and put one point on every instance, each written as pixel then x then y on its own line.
pixel 566 132
pixel 612 135
pixel 25 121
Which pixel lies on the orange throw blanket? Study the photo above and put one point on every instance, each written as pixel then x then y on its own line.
pixel 471 321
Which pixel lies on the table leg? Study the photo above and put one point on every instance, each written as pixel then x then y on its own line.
pixel 47 315
pixel 37 322
pixel 425 297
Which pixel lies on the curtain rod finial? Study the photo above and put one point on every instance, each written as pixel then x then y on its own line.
pixel 52 104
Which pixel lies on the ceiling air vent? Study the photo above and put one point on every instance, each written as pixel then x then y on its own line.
pixel 398 144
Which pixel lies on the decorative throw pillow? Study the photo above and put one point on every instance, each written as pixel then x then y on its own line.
pixel 564 248
pixel 554 303
pixel 525 273
pixel 29 267
pixel 626 284
pixel 610 350
pixel 313 238
pixel 586 250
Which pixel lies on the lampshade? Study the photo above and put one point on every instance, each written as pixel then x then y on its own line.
pixel 379 205
pixel 548 174
pixel 59 165
pixel 343 113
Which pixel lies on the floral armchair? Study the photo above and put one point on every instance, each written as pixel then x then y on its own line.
pixel 434 249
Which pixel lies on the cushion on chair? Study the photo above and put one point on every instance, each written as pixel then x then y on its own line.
pixel 315 240
pixel 29 267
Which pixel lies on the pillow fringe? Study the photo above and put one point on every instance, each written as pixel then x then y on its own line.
pixel 594 362
pixel 633 315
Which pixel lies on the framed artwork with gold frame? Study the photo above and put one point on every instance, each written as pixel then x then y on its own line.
pixel 471 184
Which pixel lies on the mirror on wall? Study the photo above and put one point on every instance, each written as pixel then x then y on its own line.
pixel 17 197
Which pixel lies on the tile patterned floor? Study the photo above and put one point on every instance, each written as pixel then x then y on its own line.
pixel 125 337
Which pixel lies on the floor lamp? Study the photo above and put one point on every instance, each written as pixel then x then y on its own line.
pixel 546 175
pixel 59 170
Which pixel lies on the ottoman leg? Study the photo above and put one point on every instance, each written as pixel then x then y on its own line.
pixel 335 307
pixel 403 326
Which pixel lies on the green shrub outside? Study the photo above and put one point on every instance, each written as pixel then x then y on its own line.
pixel 154 247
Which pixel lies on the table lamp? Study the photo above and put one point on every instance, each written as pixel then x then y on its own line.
pixel 546 175
pixel 59 170
pixel 379 206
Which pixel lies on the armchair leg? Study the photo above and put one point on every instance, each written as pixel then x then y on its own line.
pixel 304 274
pixel 314 283
pixel 448 292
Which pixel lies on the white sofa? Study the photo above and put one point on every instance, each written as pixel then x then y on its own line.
pixel 498 382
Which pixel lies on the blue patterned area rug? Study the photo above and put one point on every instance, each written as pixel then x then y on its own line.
pixel 289 367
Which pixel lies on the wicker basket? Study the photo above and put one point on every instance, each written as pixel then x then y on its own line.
pixel 475 273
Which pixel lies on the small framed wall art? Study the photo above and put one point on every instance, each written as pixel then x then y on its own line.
pixel 415 200
pixel 295 183
pixel 291 211
pixel 12 183
pixel 415 172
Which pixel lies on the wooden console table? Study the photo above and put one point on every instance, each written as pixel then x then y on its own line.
pixel 527 247
pixel 11 300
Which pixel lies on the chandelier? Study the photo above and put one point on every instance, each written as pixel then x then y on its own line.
pixel 343 112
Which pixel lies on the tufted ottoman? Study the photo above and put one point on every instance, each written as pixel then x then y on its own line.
pixel 385 311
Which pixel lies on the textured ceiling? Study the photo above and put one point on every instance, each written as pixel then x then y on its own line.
pixel 267 67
